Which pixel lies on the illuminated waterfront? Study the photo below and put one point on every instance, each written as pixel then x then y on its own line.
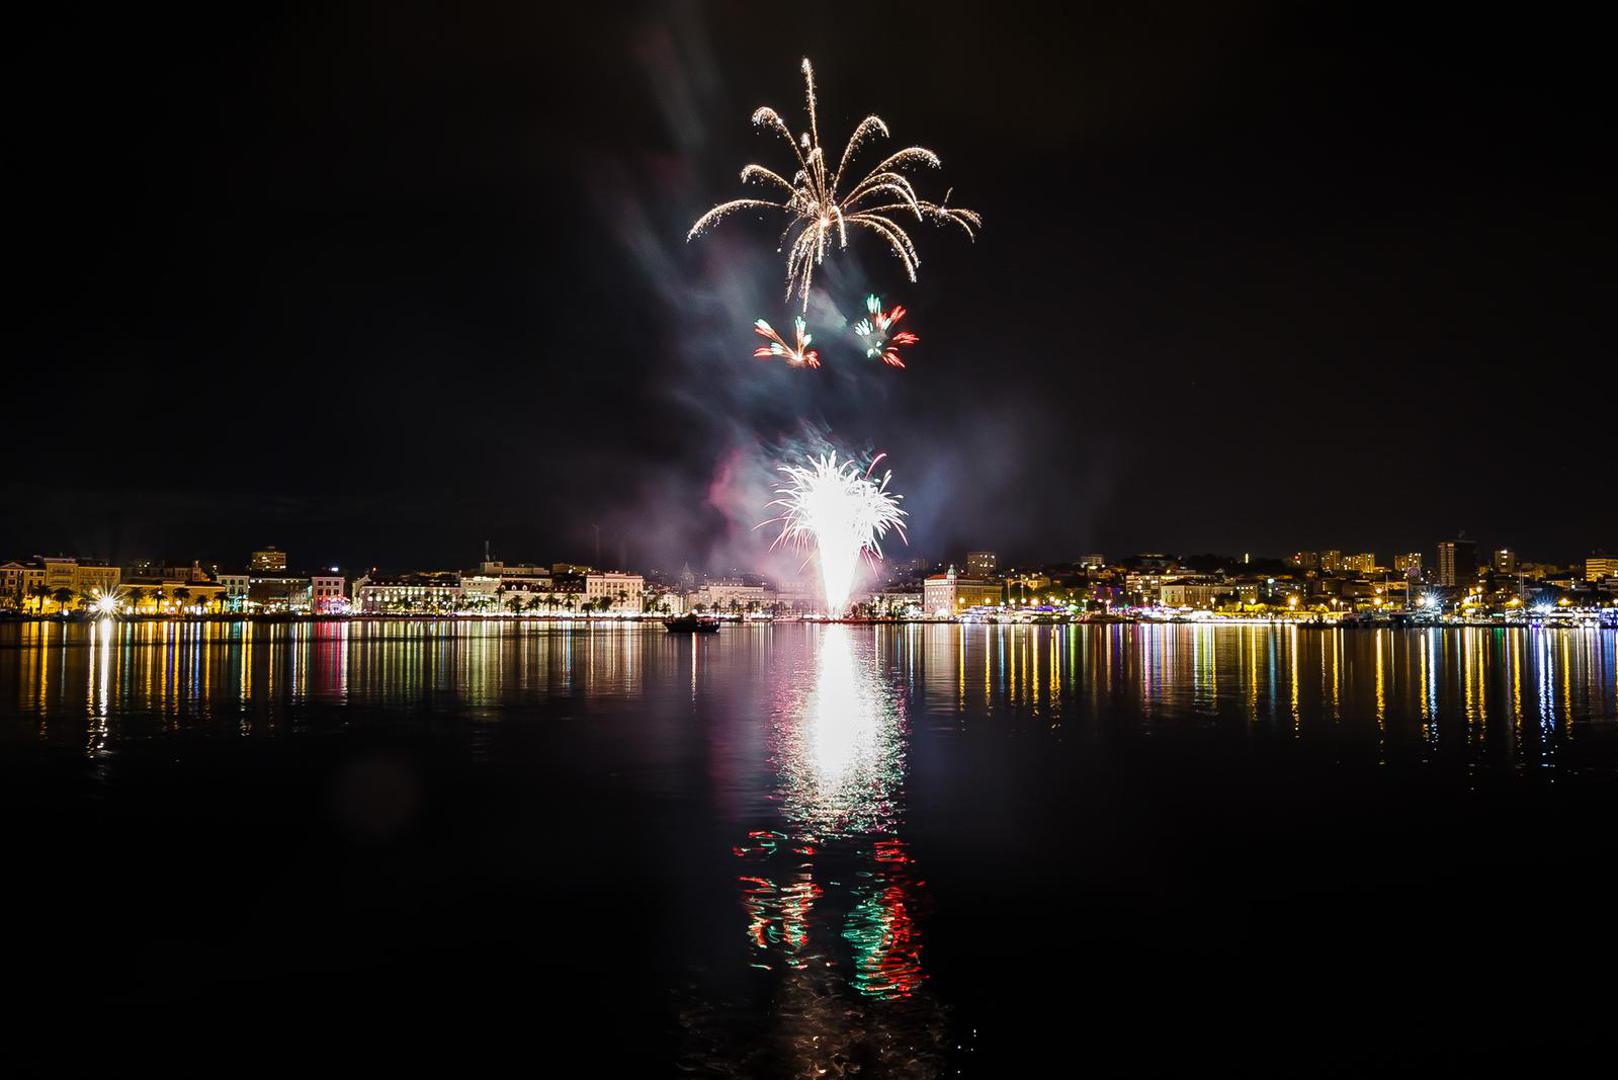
pixel 808 844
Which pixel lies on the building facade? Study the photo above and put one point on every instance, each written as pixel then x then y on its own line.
pixel 1457 562
pixel 271 559
pixel 407 594
pixel 949 594
pixel 615 591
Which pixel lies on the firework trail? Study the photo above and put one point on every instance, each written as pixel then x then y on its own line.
pixel 841 513
pixel 820 207
pixel 800 355
pixel 877 332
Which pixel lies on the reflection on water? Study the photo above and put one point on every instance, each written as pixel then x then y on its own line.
pixel 806 738
pixel 829 889
pixel 1516 693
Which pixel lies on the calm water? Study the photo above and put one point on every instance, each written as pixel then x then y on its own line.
pixel 825 850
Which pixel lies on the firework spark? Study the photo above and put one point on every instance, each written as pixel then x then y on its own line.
pixel 877 332
pixel 800 355
pixel 821 208
pixel 841 513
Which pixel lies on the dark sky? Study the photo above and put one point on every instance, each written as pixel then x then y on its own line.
pixel 378 282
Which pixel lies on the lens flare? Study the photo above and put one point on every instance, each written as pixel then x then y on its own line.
pixel 105 602
pixel 799 355
pixel 841 513
pixel 820 209
pixel 876 333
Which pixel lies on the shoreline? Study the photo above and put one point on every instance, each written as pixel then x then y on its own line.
pixel 1585 621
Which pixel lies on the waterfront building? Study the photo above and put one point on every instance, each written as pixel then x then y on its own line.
pixel 407 593
pixel 1145 587
pixel 618 590
pixel 277 592
pixel 479 591
pixel 982 564
pixel 166 596
pixel 270 559
pixel 1457 562
pixel 664 601
pixel 900 601
pixel 326 594
pixel 1196 592
pixel 236 588
pixel 950 594
pixel 731 596
pixel 17 583
pixel 22 583
pixel 1597 567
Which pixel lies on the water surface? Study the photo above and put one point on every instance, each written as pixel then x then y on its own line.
pixel 824 850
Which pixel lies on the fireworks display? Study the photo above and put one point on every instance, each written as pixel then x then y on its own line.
pixel 798 355
pixel 820 207
pixel 842 513
pixel 877 333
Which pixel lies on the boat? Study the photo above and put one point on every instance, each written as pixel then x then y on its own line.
pixel 691 624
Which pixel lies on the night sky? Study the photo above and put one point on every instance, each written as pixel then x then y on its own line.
pixel 375 284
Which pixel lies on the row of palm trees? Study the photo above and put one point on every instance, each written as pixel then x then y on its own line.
pixel 132 598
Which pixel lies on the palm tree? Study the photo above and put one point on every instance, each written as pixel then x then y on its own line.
pixel 181 595
pixel 40 593
pixel 62 596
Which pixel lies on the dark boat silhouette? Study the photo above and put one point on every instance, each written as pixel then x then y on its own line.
pixel 691 624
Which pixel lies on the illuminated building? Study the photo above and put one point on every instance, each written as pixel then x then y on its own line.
pixel 1457 562
pixel 615 590
pixel 20 582
pixel 168 596
pixel 1408 563
pixel 1597 567
pixel 1505 561
pixel 236 588
pixel 1363 563
pixel 1194 592
pixel 1094 561
pixel 1331 561
pixel 277 592
pixel 1146 587
pixel 407 593
pixel 17 582
pixel 730 596
pixel 268 559
pixel 949 594
pixel 897 601
pixel 982 564
pixel 1305 560
pixel 664 601
pixel 326 594
pixel 533 579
